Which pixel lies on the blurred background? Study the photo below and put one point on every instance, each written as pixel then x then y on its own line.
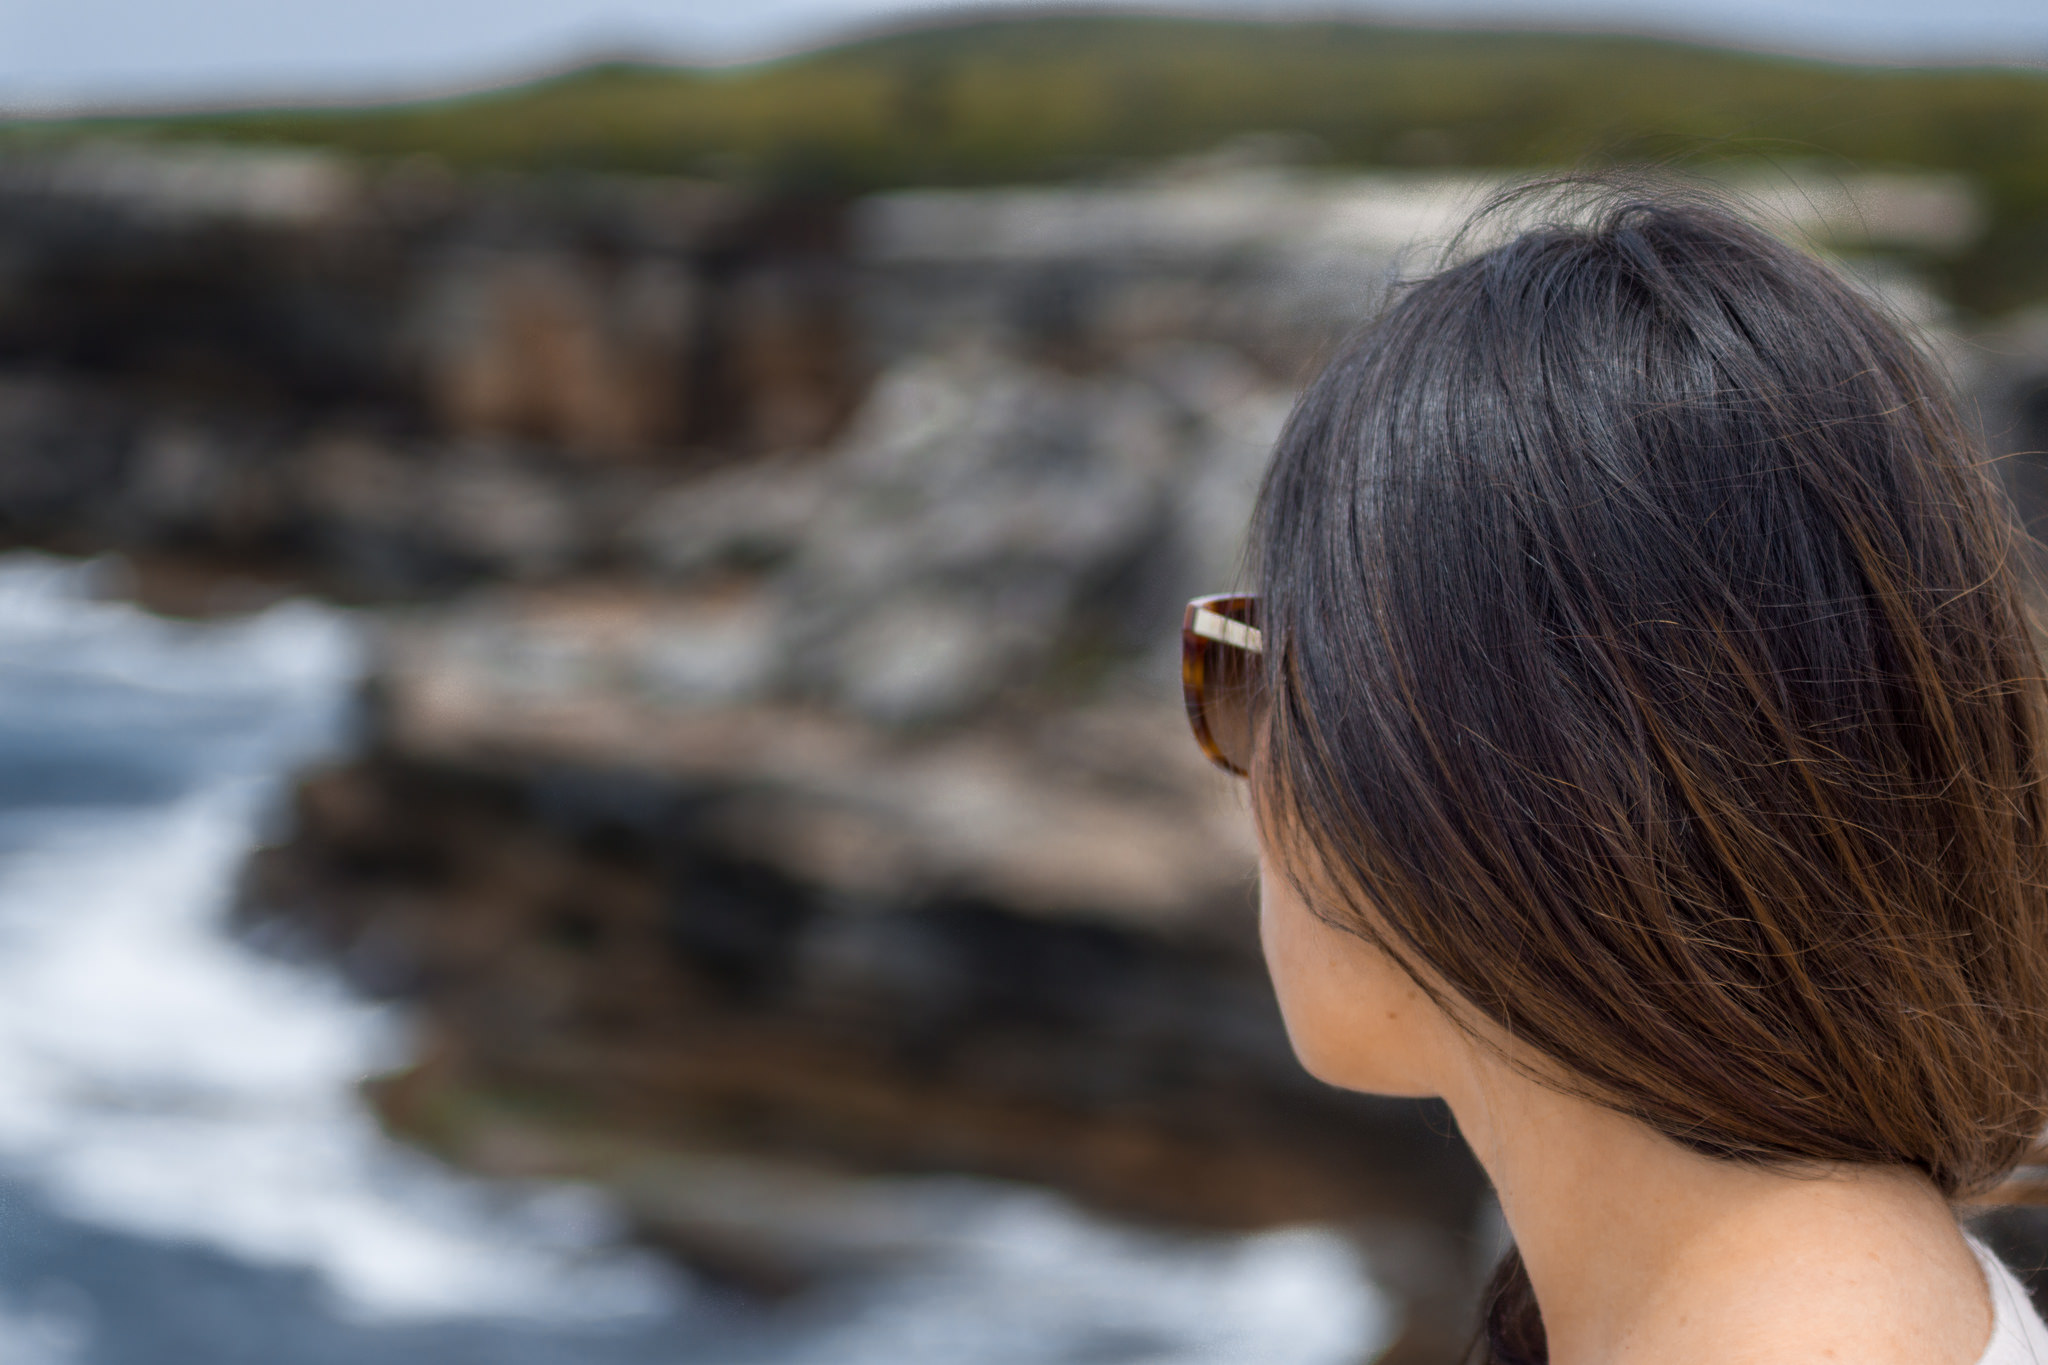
pixel 590 763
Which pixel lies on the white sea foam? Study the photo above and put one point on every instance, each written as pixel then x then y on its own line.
pixel 156 1077
pixel 1020 1278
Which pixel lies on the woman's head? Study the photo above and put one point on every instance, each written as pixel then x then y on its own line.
pixel 1646 678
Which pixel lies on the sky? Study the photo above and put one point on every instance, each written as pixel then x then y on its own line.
pixel 66 55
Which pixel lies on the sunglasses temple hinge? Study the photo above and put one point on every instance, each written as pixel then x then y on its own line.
pixel 1215 626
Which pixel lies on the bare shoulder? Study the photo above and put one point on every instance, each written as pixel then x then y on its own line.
pixel 1808 1301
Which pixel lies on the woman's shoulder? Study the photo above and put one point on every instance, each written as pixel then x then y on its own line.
pixel 2018 1336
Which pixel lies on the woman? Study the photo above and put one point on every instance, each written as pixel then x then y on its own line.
pixel 1646 746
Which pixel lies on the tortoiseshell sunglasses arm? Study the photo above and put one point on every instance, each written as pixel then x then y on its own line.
pixel 1210 621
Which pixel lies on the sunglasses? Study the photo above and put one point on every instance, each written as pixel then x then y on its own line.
pixel 1219 676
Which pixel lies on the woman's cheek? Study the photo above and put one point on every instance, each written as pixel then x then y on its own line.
pixel 1354 1018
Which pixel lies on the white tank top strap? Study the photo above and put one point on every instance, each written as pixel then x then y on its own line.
pixel 2018 1336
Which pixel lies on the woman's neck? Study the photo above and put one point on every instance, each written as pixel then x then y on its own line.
pixel 1640 1250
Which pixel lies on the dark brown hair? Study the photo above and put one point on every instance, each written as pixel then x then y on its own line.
pixel 1647 672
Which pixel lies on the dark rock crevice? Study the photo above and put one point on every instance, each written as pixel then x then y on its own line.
pixel 600 947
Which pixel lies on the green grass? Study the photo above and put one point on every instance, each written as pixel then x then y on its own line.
pixel 1023 99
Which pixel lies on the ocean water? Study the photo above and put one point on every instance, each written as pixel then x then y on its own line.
pixel 188 1175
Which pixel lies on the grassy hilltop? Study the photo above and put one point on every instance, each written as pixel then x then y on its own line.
pixel 1033 98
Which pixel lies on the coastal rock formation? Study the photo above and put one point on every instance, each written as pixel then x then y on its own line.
pixel 389 381
pixel 873 769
